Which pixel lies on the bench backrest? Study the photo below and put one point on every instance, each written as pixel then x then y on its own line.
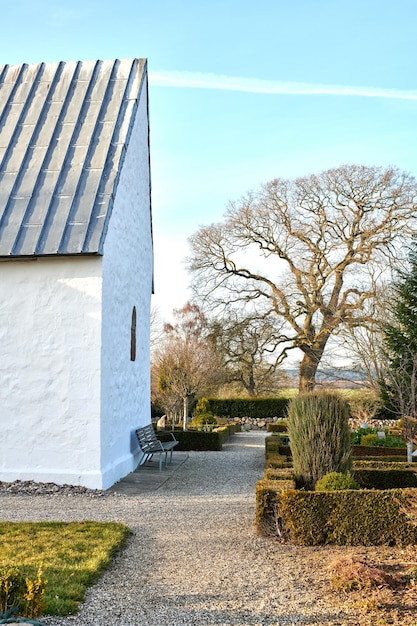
pixel 147 437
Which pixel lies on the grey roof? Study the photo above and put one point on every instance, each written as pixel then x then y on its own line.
pixel 64 128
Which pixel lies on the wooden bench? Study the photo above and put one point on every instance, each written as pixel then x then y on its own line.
pixel 150 445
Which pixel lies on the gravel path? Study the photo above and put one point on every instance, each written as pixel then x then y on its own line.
pixel 194 557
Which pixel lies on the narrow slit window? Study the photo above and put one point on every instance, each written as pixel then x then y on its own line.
pixel 133 336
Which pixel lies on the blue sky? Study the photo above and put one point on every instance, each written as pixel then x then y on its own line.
pixel 241 93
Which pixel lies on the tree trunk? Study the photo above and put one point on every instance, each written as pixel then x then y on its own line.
pixel 185 415
pixel 409 451
pixel 251 385
pixel 308 368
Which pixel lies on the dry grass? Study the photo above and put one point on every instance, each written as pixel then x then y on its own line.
pixel 350 573
pixel 375 586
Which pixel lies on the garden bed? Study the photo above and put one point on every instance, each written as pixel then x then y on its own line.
pixel 349 517
pixel 382 512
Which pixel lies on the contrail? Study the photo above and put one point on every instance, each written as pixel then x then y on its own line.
pixel 201 80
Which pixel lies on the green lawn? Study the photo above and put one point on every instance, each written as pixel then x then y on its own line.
pixel 71 556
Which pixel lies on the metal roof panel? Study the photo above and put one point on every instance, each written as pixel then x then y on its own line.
pixel 64 128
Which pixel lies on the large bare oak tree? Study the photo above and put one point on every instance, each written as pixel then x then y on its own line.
pixel 307 251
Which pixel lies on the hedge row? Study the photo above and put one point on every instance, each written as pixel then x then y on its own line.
pixel 203 441
pixel 374 451
pixel 361 517
pixel 249 407
pixel 369 475
pixel 385 478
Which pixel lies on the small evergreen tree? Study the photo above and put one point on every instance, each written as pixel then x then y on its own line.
pixel 399 382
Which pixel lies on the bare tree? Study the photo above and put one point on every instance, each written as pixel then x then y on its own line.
pixel 247 347
pixel 157 328
pixel 363 344
pixel 186 363
pixel 302 251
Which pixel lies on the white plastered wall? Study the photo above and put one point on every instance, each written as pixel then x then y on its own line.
pixel 127 283
pixel 70 397
pixel 50 327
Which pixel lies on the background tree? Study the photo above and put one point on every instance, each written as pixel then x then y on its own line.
pixel 185 363
pixel 363 345
pixel 399 377
pixel 247 347
pixel 304 251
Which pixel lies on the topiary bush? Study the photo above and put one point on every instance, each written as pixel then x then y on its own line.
pixel 319 435
pixel 336 481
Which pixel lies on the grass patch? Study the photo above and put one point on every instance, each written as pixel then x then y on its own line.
pixel 71 556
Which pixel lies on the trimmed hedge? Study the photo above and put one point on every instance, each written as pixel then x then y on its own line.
pixel 376 451
pixel 381 464
pixel 203 441
pixel 369 453
pixel 249 407
pixel 361 517
pixel 388 459
pixel 385 478
pixel 273 457
pixel 274 473
pixel 277 427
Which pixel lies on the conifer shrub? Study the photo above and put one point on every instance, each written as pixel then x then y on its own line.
pixel 335 481
pixel 319 435
pixel 203 417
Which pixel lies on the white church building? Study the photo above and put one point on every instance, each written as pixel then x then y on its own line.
pixel 76 270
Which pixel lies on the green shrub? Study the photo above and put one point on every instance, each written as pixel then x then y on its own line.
pixel 335 481
pixel 369 437
pixel 319 434
pixel 202 419
pixel 357 435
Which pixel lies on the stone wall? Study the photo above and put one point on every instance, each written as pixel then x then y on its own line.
pixel 254 423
